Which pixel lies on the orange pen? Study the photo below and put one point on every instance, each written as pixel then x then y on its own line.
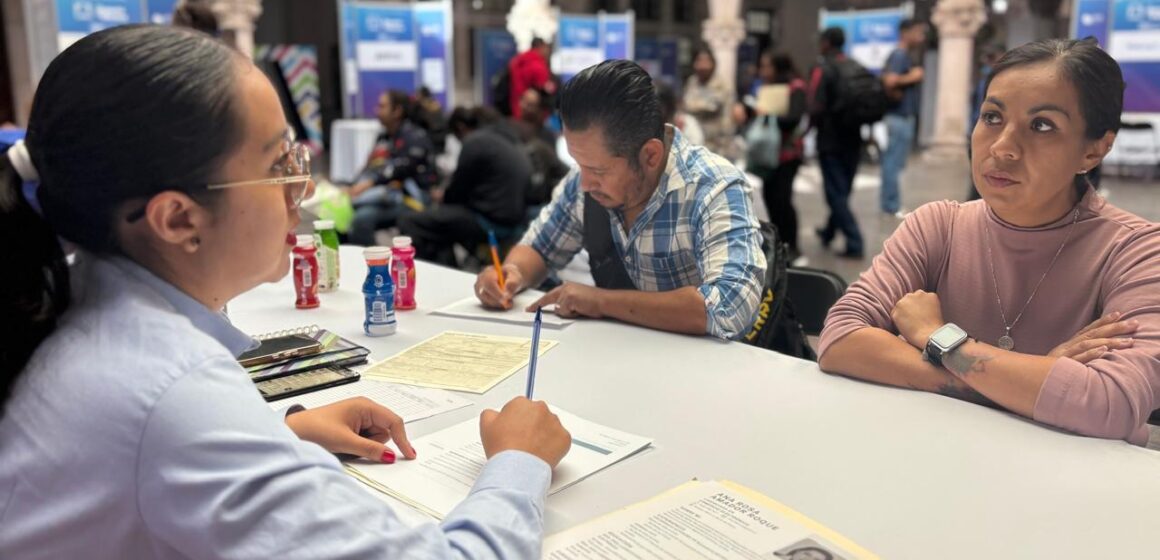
pixel 495 258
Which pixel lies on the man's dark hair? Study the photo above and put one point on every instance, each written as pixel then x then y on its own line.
pixel 835 37
pixel 538 42
pixel 619 97
pixel 400 98
pixel 907 23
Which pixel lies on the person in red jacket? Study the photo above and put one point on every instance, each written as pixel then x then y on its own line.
pixel 529 69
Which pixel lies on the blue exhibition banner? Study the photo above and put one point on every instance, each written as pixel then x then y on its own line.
pixel 494 49
pixel 159 12
pixel 433 21
pixel 1130 31
pixel 394 46
pixel 585 40
pixel 871 35
pixel 77 18
pixel 1091 20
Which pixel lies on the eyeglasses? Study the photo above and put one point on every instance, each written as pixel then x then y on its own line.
pixel 292 170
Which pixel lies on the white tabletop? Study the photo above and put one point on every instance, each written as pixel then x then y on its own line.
pixel 904 473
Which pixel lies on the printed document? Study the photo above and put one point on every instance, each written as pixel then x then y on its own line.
pixel 458 361
pixel 470 308
pixel 411 403
pixel 450 460
pixel 703 520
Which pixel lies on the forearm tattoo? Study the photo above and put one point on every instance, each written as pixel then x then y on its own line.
pixel 964 363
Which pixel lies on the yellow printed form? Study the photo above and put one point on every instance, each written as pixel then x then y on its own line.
pixel 458 361
pixel 704 520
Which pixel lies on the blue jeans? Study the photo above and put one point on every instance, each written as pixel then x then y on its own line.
pixel 838 170
pixel 900 134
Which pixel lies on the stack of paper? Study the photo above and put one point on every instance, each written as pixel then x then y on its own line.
pixel 450 460
pixel 410 403
pixel 458 361
pixel 703 520
pixel 471 308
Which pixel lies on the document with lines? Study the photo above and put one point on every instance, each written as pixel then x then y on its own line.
pixel 450 460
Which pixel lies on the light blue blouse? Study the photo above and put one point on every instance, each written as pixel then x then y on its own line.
pixel 134 433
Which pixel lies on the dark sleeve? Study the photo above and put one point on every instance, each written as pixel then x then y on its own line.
pixel 797 108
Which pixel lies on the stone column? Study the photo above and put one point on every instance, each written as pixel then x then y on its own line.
pixel 723 32
pixel 236 21
pixel 957 22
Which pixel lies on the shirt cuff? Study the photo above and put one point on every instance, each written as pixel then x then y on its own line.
pixel 515 470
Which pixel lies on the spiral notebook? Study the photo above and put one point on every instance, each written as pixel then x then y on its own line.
pixel 336 351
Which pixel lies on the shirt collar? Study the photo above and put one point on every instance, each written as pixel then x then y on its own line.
pixel 211 322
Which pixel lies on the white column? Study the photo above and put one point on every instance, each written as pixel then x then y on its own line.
pixel 957 22
pixel 723 32
pixel 236 21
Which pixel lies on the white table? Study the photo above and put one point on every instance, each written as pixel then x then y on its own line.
pixel 904 473
pixel 351 141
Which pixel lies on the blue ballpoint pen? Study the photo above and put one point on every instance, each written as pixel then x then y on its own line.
pixel 535 351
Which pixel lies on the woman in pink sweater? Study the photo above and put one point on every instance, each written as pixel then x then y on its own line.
pixel 1042 298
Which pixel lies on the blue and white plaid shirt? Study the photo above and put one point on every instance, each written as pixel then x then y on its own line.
pixel 698 229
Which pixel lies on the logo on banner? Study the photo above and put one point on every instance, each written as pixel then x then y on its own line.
pixel 1091 19
pixel 873 30
pixel 378 24
pixel 82 11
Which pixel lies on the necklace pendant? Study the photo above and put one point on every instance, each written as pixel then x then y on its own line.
pixel 1006 342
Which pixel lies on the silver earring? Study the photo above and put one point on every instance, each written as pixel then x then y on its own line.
pixel 1082 172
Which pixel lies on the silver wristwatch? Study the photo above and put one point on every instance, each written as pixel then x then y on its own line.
pixel 942 342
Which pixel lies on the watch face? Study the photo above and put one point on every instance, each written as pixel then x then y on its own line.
pixel 948 336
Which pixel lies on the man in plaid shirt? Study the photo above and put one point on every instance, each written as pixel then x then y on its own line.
pixel 672 238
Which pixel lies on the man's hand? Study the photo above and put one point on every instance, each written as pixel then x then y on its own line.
pixel 1104 334
pixel 358 426
pixel 573 300
pixel 916 316
pixel 487 286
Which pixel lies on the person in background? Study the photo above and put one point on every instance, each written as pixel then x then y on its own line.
pixel 710 100
pixel 901 78
pixel 1042 298
pixel 671 235
pixel 486 191
pixel 181 195
pixel 530 69
pixel 399 173
pixel 535 106
pixel 839 144
pixel 670 107
pixel 429 115
pixel 777 183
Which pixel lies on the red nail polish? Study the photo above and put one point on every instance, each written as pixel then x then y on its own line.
pixel 388 457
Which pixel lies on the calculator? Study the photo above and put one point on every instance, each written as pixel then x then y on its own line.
pixel 306 382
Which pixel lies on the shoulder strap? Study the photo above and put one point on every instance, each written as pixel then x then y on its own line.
pixel 603 257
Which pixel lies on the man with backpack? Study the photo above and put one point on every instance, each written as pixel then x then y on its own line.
pixel 843 96
pixel 901 78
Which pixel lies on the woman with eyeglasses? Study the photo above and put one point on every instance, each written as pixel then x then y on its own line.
pixel 127 427
pixel 1042 298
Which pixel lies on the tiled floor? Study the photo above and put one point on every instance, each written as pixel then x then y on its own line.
pixel 922 182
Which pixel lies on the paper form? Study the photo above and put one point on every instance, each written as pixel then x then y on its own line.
pixel 702 520
pixel 450 460
pixel 411 403
pixel 458 361
pixel 471 308
pixel 773 100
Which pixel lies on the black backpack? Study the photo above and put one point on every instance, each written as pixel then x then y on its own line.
pixel 776 326
pixel 501 91
pixel 861 97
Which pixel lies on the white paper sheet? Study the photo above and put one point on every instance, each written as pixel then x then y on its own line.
pixel 411 403
pixel 450 460
pixel 470 308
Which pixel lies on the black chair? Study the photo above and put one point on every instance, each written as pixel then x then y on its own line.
pixel 813 291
